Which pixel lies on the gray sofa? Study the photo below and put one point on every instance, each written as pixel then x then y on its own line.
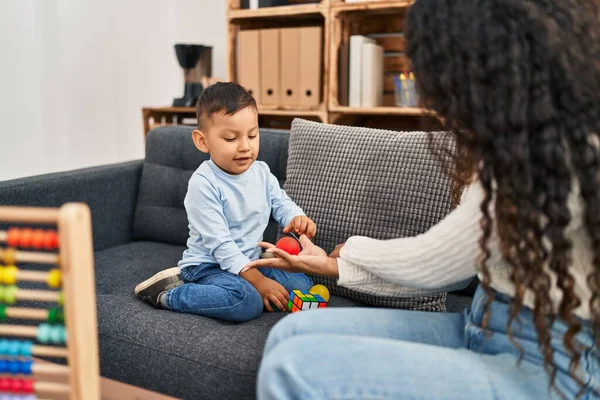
pixel 139 228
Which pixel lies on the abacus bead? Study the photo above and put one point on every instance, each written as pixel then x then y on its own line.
pixel 52 240
pixel 54 278
pixel 14 348
pixel 60 316
pixel 4 366
pixel 47 240
pixel 2 313
pixel 10 294
pixel 27 386
pixel 43 333
pixel 26 347
pixel 26 237
pixel 4 384
pixel 17 385
pixel 14 367
pixel 9 275
pixel 5 346
pixel 13 237
pixel 61 298
pixel 26 367
pixel 10 256
pixel 38 238
pixel 52 315
pixel 59 334
pixel 54 334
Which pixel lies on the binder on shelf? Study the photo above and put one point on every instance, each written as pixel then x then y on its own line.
pixel 248 64
pixel 372 75
pixel 290 67
pixel 311 56
pixel 355 69
pixel 270 70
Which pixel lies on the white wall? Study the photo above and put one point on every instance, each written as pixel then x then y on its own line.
pixel 74 76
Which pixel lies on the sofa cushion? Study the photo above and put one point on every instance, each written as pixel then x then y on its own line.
pixel 171 159
pixel 184 355
pixel 377 183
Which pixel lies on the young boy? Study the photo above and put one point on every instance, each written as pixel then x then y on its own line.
pixel 229 201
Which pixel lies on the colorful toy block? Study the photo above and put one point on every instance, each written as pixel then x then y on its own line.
pixel 304 300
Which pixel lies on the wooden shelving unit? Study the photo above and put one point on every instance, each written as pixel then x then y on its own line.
pixel 273 12
pixel 384 18
pixel 407 111
pixel 159 116
pixel 339 20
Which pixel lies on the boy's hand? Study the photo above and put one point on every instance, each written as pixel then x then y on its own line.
pixel 301 225
pixel 272 291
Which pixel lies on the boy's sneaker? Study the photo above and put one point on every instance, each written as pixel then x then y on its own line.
pixel 150 290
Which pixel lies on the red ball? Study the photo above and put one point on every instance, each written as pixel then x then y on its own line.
pixel 289 245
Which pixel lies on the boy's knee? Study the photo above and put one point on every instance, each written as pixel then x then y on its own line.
pixel 308 283
pixel 301 282
pixel 249 307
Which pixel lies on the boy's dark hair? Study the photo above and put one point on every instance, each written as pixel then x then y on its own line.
pixel 225 97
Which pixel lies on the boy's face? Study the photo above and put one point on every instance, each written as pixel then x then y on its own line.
pixel 231 140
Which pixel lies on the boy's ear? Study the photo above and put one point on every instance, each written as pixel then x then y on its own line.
pixel 200 141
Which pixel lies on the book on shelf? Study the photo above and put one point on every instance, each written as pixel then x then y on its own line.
pixel 254 4
pixel 355 69
pixel 372 75
pixel 365 88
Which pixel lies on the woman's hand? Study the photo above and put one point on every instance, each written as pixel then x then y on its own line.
pixel 336 252
pixel 311 260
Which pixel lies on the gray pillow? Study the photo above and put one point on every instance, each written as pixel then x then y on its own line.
pixel 369 182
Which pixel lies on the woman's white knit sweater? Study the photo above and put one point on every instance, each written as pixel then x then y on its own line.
pixel 445 257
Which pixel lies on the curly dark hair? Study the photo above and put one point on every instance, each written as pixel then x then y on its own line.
pixel 517 83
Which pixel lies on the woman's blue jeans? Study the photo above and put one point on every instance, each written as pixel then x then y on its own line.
pixel 394 354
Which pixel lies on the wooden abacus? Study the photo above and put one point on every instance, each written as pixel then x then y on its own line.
pixel 70 249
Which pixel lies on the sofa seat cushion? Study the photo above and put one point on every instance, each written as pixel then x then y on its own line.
pixel 182 355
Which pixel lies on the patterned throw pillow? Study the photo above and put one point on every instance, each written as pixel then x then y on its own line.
pixel 369 182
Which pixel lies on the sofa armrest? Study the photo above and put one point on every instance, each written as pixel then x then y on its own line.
pixel 109 190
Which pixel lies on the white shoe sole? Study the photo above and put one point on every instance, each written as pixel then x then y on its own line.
pixel 166 273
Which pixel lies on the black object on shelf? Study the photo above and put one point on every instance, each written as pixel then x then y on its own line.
pixel 266 3
pixel 196 61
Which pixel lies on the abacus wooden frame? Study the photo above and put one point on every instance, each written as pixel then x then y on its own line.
pixel 76 262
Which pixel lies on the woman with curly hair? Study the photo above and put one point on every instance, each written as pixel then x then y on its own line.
pixel 517 83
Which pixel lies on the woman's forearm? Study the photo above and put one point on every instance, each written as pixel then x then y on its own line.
pixel 441 257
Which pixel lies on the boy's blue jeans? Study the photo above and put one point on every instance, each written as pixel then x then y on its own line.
pixel 395 354
pixel 212 292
